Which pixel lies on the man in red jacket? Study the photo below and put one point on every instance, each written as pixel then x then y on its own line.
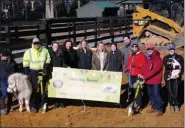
pixel 136 61
pixel 152 74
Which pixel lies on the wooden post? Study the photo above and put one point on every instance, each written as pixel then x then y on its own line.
pixel 119 22
pixel 8 36
pixel 38 28
pixel 45 36
pixel 95 30
pixel 111 29
pixel 85 30
pixel 69 30
pixel 48 34
pixel 98 25
pixel 16 32
pixel 126 24
pixel 74 33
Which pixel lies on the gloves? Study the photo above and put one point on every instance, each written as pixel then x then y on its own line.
pixel 44 72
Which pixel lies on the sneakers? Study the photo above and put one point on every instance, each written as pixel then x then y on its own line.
pixel 172 109
pixel 11 110
pixel 3 112
pixel 57 105
pixel 176 108
pixel 151 111
pixel 33 110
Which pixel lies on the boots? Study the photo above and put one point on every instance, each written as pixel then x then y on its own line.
pixel 3 112
pixel 176 108
pixel 172 108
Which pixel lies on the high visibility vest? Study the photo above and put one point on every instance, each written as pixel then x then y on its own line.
pixel 35 59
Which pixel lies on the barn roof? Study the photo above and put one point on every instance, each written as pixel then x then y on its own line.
pixel 130 2
pixel 105 4
pixel 102 4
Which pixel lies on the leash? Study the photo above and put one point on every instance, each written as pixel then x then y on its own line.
pixel 15 94
pixel 175 87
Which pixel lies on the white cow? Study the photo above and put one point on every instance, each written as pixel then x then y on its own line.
pixel 20 85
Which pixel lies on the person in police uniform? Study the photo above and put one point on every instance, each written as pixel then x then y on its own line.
pixel 35 60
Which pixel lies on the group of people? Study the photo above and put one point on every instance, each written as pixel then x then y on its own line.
pixel 130 60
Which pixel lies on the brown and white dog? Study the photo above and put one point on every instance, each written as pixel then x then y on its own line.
pixel 20 85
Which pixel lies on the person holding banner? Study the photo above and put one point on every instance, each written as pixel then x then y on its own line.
pixel 115 59
pixel 57 60
pixel 136 61
pixel 70 55
pixel 84 55
pixel 100 58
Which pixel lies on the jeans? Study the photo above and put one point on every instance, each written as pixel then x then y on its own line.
pixel 154 97
pixel 4 85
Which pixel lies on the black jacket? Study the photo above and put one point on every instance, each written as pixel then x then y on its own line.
pixel 56 60
pixel 70 58
pixel 115 61
pixel 84 59
pixel 6 69
pixel 167 68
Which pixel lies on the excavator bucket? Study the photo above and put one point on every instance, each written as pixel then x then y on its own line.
pixel 162 29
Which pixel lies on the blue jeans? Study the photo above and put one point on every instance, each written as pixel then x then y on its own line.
pixel 4 85
pixel 154 97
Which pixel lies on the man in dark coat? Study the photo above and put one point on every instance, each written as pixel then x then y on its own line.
pixel 172 84
pixel 6 69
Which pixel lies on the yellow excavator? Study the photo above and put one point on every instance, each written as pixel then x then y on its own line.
pixel 161 24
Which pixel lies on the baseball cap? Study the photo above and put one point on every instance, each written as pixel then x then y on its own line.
pixel 134 43
pixel 36 40
pixel 5 53
pixel 171 47
pixel 150 46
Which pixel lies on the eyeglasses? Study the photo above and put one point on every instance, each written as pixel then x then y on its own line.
pixel 36 43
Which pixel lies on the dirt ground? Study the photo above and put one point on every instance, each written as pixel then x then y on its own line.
pixel 98 114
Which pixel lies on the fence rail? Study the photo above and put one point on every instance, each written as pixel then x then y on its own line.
pixel 17 36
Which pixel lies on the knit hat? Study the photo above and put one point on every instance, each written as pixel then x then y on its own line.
pixel 150 46
pixel 5 53
pixel 171 47
pixel 134 43
pixel 36 40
